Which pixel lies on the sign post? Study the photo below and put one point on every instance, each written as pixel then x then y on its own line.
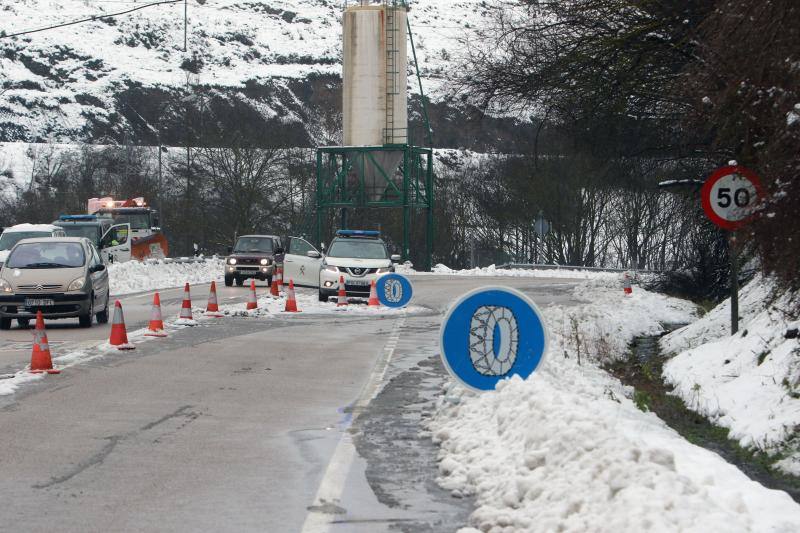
pixel 730 196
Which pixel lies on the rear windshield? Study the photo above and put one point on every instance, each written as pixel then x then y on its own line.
pixel 254 245
pixel 10 238
pixel 358 249
pixel 47 255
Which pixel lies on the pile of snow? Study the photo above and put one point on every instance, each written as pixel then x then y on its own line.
pixel 493 271
pixel 308 304
pixel 142 276
pixel 749 382
pixel 567 450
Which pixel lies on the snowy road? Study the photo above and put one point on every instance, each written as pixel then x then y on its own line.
pixel 239 425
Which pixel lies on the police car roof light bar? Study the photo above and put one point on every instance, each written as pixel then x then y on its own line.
pixel 77 217
pixel 357 233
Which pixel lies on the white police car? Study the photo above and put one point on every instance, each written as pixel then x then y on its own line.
pixel 358 256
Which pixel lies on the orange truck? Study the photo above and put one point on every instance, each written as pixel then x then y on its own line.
pixel 136 230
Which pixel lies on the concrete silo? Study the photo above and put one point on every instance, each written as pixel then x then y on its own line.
pixel 378 165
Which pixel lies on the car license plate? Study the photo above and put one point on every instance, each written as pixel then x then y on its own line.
pixel 358 282
pixel 38 302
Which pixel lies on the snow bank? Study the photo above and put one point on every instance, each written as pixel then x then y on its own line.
pixel 566 450
pixel 136 276
pixel 750 382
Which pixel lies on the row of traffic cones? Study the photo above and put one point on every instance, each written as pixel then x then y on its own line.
pixel 41 359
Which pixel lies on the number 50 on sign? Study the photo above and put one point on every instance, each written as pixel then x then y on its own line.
pixel 730 196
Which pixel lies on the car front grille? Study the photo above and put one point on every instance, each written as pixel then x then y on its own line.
pixel 249 261
pixel 39 288
pixel 359 272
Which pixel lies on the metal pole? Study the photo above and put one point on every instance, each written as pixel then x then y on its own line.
pixel 185 22
pixel 734 255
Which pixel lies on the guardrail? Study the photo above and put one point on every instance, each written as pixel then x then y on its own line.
pixel 531 266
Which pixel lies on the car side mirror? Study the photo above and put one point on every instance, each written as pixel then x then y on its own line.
pixel 230 250
pixel 313 254
pixel 395 258
pixel 97 268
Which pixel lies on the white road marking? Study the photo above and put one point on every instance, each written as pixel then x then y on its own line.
pixel 332 484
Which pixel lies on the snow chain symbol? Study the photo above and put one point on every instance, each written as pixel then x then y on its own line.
pixel 393 290
pixel 493 340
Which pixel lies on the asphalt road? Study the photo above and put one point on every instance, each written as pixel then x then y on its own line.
pixel 310 423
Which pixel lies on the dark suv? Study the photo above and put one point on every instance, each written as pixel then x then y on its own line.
pixel 253 256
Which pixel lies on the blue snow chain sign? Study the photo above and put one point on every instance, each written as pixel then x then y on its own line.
pixel 490 334
pixel 394 290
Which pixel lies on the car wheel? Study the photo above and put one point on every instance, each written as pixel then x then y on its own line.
pixel 228 281
pixel 24 323
pixel 239 281
pixel 5 323
pixel 86 320
pixel 323 297
pixel 102 316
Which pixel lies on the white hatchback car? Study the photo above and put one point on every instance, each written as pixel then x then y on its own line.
pixel 358 256
pixel 14 234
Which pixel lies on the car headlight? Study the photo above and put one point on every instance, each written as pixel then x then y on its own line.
pixel 232 261
pixel 265 262
pixel 331 268
pixel 5 286
pixel 76 284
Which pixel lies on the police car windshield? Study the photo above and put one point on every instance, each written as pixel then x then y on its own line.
pixel 10 238
pixel 253 245
pixel 47 255
pixel 90 232
pixel 358 249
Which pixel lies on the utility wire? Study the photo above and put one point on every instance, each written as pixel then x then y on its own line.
pixel 96 17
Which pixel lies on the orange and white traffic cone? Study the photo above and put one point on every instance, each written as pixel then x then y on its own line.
pixel 373 295
pixel 252 299
pixel 119 335
pixel 212 309
pixel 626 284
pixel 273 288
pixel 40 356
pixel 291 301
pixel 280 279
pixel 341 298
pixel 185 318
pixel 156 327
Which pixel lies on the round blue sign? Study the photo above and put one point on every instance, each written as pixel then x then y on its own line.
pixel 490 334
pixel 394 290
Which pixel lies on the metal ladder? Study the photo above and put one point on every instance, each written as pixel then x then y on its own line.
pixel 392 51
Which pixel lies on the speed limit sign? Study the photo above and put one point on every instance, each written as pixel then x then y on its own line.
pixel 730 196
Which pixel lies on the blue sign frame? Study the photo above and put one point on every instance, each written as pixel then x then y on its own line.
pixel 394 290
pixel 490 334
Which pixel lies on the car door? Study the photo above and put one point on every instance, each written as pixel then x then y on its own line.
pixel 99 278
pixel 298 266
pixel 115 246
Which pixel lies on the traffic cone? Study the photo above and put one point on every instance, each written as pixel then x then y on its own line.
pixel 119 335
pixel 341 298
pixel 273 289
pixel 156 327
pixel 626 284
pixel 280 279
pixel 291 301
pixel 185 318
pixel 373 295
pixel 40 356
pixel 252 299
pixel 212 309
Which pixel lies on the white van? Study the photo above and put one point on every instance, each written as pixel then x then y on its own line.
pixel 14 234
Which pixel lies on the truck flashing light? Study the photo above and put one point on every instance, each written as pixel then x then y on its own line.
pixel 357 233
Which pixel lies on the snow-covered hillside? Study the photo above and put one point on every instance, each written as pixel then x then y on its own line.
pixel 88 80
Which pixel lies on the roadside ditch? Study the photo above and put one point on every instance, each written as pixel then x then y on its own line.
pixel 642 370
